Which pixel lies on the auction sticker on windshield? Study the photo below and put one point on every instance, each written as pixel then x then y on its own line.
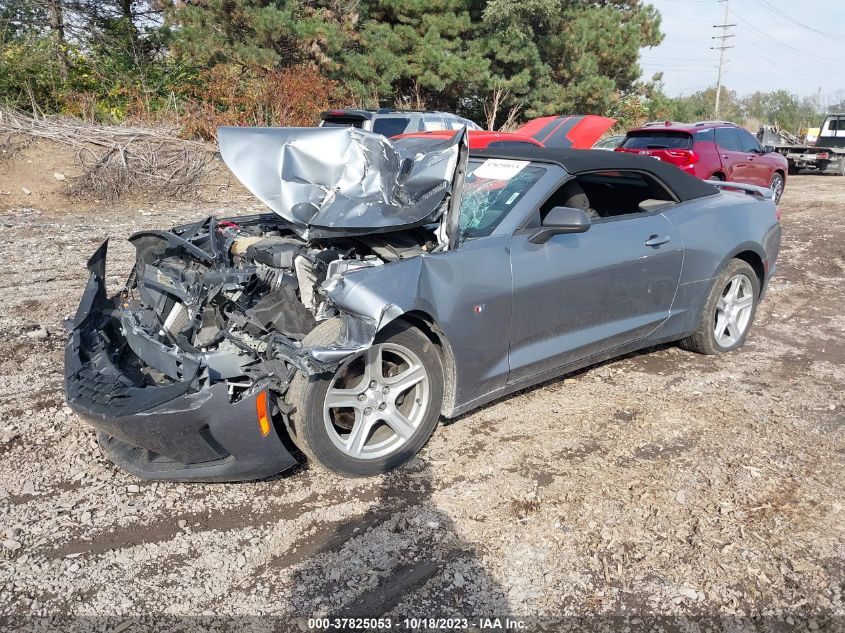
pixel 500 169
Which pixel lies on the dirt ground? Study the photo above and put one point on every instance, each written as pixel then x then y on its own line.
pixel 662 485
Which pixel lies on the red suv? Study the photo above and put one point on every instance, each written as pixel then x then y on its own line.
pixel 712 150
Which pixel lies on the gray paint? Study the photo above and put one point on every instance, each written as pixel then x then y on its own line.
pixel 550 308
pixel 511 313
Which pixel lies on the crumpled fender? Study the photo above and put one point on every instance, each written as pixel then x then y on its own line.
pixel 361 297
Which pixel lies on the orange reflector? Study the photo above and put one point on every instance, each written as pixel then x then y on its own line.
pixel 261 411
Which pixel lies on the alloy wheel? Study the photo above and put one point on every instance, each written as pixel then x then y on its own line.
pixel 777 186
pixel 733 311
pixel 376 401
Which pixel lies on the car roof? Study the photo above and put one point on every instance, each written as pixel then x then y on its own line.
pixel 578 161
pixel 681 127
pixel 476 137
pixel 369 114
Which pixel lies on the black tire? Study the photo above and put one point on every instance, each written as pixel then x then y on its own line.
pixel 791 169
pixel 307 395
pixel 717 177
pixel 703 340
pixel 777 185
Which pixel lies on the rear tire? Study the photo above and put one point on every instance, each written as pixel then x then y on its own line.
pixel 347 425
pixel 720 177
pixel 728 311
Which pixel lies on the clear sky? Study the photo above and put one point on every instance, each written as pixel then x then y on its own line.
pixel 797 45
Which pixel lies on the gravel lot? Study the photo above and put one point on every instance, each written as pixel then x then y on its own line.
pixel 664 483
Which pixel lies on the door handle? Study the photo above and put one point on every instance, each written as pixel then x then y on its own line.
pixel 657 240
pixel 725 156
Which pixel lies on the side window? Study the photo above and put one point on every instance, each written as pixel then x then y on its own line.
pixel 749 143
pixel 704 136
pixel 433 123
pixel 727 138
pixel 610 194
pixel 834 127
pixel 390 125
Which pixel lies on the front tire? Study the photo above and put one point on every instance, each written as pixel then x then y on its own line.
pixel 728 312
pixel 777 185
pixel 377 410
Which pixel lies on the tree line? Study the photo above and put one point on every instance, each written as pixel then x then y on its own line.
pixel 279 62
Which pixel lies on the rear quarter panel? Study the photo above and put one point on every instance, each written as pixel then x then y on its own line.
pixel 714 230
pixel 709 161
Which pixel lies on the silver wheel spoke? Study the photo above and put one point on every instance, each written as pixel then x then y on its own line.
pixel 721 304
pixel 721 325
pixel 358 435
pixel 398 422
pixel 342 399
pixel 733 291
pixel 406 379
pixel 743 302
pixel 373 364
pixel 733 330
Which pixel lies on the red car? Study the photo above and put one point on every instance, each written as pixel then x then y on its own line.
pixel 480 139
pixel 573 131
pixel 711 150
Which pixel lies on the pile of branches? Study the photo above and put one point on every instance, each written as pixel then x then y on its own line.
pixel 11 143
pixel 120 160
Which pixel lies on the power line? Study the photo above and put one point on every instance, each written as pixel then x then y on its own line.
pixel 724 39
pixel 777 11
pixel 784 44
pixel 671 59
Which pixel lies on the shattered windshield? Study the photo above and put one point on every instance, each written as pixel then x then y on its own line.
pixel 492 188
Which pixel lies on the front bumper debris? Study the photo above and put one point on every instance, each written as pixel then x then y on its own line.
pixel 176 429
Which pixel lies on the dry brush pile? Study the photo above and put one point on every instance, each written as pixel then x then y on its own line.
pixel 114 160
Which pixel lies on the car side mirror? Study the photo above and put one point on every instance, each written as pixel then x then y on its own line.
pixel 561 220
pixel 768 149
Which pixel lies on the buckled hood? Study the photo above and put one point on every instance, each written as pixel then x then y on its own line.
pixel 345 181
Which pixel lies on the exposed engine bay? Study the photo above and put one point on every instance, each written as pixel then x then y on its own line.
pixel 211 327
pixel 232 300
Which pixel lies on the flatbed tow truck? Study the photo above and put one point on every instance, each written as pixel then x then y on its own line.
pixel 826 156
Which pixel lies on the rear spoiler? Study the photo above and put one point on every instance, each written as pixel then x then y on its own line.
pixel 752 190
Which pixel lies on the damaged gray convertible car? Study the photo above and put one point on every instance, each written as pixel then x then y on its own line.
pixel 393 282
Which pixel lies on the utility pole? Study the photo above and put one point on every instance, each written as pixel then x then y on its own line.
pixel 723 38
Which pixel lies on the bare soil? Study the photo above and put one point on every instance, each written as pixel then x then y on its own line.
pixel 664 484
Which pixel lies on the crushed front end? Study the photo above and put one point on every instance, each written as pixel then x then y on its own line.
pixel 183 373
pixel 174 370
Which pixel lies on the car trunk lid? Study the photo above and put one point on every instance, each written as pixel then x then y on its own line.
pixel 567 132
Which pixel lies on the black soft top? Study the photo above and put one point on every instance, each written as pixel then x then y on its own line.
pixel 579 161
